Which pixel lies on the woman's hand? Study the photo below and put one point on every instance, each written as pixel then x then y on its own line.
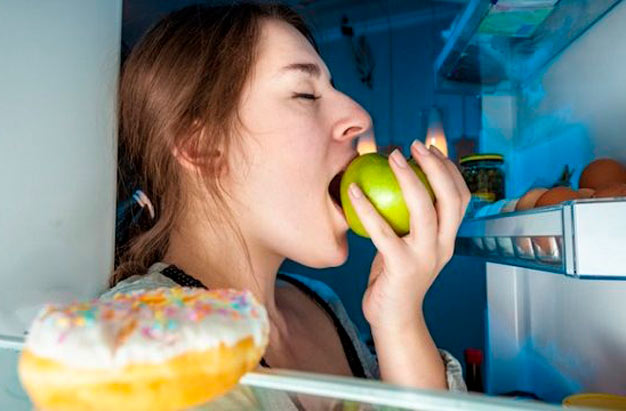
pixel 404 268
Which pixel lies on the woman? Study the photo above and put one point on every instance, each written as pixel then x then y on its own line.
pixel 237 131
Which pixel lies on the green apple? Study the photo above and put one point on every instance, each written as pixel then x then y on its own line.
pixel 372 173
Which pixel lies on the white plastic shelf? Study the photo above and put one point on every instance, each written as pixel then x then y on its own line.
pixel 582 238
pixel 475 61
pixel 274 389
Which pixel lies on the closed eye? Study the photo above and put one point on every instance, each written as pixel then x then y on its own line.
pixel 306 96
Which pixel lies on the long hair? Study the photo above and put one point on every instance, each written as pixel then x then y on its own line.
pixel 180 87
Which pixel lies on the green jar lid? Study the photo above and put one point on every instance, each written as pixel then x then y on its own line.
pixel 481 157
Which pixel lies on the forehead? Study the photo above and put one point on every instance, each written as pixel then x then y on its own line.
pixel 281 44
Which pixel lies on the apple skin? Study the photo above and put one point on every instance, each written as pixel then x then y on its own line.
pixel 373 174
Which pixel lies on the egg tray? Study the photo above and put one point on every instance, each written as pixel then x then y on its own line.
pixel 581 238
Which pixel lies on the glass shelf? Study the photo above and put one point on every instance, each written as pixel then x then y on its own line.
pixel 488 58
pixel 582 238
pixel 280 389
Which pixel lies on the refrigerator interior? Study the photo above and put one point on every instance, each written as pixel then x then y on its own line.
pixel 555 320
pixel 554 335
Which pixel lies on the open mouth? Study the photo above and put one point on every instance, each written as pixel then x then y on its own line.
pixel 333 189
pixel 335 184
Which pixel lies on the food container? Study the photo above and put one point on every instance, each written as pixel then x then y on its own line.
pixel 484 175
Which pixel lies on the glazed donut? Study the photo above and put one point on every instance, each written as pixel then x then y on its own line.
pixel 164 349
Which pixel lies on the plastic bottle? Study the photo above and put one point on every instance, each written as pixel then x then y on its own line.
pixel 473 370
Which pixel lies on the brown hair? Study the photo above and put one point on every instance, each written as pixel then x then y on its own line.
pixel 180 87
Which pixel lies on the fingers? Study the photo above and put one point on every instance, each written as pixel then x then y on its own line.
pixel 448 197
pixel 422 214
pixel 381 233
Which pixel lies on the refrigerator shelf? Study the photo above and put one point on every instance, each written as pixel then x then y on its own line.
pixel 276 389
pixel 582 238
pixel 494 46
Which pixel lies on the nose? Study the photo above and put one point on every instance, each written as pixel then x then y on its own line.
pixel 352 120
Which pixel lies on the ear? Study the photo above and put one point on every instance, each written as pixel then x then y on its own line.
pixel 197 160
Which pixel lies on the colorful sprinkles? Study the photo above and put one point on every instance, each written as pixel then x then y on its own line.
pixel 157 313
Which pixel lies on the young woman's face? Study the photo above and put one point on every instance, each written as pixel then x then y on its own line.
pixel 297 135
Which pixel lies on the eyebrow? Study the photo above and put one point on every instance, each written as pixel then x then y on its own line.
pixel 311 69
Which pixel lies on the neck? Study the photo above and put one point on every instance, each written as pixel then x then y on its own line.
pixel 212 254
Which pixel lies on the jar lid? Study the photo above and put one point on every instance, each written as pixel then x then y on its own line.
pixel 596 400
pixel 481 157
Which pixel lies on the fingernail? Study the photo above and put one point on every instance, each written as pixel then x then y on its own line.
pixel 355 191
pixel 436 151
pixel 398 158
pixel 421 149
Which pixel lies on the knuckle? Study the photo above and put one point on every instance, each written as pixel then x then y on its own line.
pixel 432 266
pixel 466 196
pixel 451 166
pixel 439 164
pixel 370 212
pixel 385 230
pixel 427 265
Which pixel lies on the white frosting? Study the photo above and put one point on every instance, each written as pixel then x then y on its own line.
pixel 146 327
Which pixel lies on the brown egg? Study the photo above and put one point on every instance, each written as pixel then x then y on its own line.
pixel 547 248
pixel 528 200
pixel 556 195
pixel 614 190
pixel 586 192
pixel 602 172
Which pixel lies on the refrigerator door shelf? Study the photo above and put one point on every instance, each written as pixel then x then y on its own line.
pixel 582 238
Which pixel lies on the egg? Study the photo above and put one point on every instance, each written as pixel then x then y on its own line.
pixel 528 200
pixel 523 245
pixel 509 206
pixel 602 172
pixel 614 190
pixel 548 248
pixel 556 195
pixel 586 192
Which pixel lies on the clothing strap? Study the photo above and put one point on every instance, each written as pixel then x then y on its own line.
pixel 183 279
pixel 180 277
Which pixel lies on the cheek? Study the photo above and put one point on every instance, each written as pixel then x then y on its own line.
pixel 286 149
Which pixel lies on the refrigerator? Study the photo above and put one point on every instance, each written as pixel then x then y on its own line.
pixel 555 321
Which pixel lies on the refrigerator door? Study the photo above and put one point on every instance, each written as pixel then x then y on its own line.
pixel 287 390
pixel 58 77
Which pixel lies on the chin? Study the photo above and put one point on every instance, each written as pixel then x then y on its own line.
pixel 330 257
pixel 336 256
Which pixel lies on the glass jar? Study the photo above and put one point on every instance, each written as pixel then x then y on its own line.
pixel 484 175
